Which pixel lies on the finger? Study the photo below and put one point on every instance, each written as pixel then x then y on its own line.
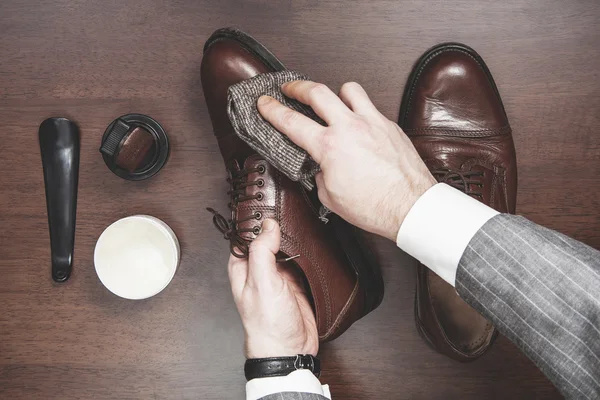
pixel 262 265
pixel 237 269
pixel 301 130
pixel 293 276
pixel 357 99
pixel 323 101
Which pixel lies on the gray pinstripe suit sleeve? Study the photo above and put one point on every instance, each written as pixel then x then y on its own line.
pixel 542 290
pixel 294 396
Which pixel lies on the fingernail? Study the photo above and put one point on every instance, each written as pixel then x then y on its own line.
pixel 285 85
pixel 268 225
pixel 262 100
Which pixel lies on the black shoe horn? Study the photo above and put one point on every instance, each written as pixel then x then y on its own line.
pixel 59 145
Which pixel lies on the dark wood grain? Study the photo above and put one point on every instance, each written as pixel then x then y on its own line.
pixel 95 60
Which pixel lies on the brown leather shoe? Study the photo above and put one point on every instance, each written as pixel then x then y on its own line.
pixel 343 281
pixel 452 111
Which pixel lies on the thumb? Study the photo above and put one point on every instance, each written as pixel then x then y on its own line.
pixel 262 267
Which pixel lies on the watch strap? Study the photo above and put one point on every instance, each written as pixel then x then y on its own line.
pixel 281 366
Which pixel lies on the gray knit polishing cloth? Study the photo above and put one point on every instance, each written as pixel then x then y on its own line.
pixel 267 141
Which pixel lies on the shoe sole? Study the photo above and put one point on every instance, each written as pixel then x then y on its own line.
pixel 252 45
pixel 358 254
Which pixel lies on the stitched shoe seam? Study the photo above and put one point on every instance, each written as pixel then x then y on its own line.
pixel 504 130
pixel 321 277
pixel 338 321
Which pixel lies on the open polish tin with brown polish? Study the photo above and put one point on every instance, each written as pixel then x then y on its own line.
pixel 135 147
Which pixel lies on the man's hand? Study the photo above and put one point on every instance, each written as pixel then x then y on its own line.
pixel 277 317
pixel 371 173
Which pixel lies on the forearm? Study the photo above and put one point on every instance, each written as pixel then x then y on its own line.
pixel 542 291
pixel 539 288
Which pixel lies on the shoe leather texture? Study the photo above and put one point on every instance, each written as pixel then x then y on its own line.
pixel 337 294
pixel 453 113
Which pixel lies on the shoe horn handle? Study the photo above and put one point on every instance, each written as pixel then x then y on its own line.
pixel 59 145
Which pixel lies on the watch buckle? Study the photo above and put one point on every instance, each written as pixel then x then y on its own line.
pixel 301 362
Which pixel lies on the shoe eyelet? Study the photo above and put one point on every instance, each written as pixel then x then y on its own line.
pixel 256 230
pixel 258 215
pixel 260 183
pixel 262 169
pixel 259 196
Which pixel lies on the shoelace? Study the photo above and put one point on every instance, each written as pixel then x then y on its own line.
pixel 238 246
pixel 231 233
pixel 461 180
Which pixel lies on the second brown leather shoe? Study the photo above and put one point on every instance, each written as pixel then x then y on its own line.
pixel 343 281
pixel 452 111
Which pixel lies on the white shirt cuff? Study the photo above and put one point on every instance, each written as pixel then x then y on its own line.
pixel 302 381
pixel 439 226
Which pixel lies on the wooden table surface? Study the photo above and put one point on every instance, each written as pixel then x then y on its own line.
pixel 93 61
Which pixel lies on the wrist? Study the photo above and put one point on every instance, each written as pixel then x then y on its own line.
pixel 404 202
pixel 281 366
pixel 264 346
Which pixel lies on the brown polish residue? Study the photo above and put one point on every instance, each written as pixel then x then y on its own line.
pixel 135 149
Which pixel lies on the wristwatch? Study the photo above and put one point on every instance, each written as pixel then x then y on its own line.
pixel 281 366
